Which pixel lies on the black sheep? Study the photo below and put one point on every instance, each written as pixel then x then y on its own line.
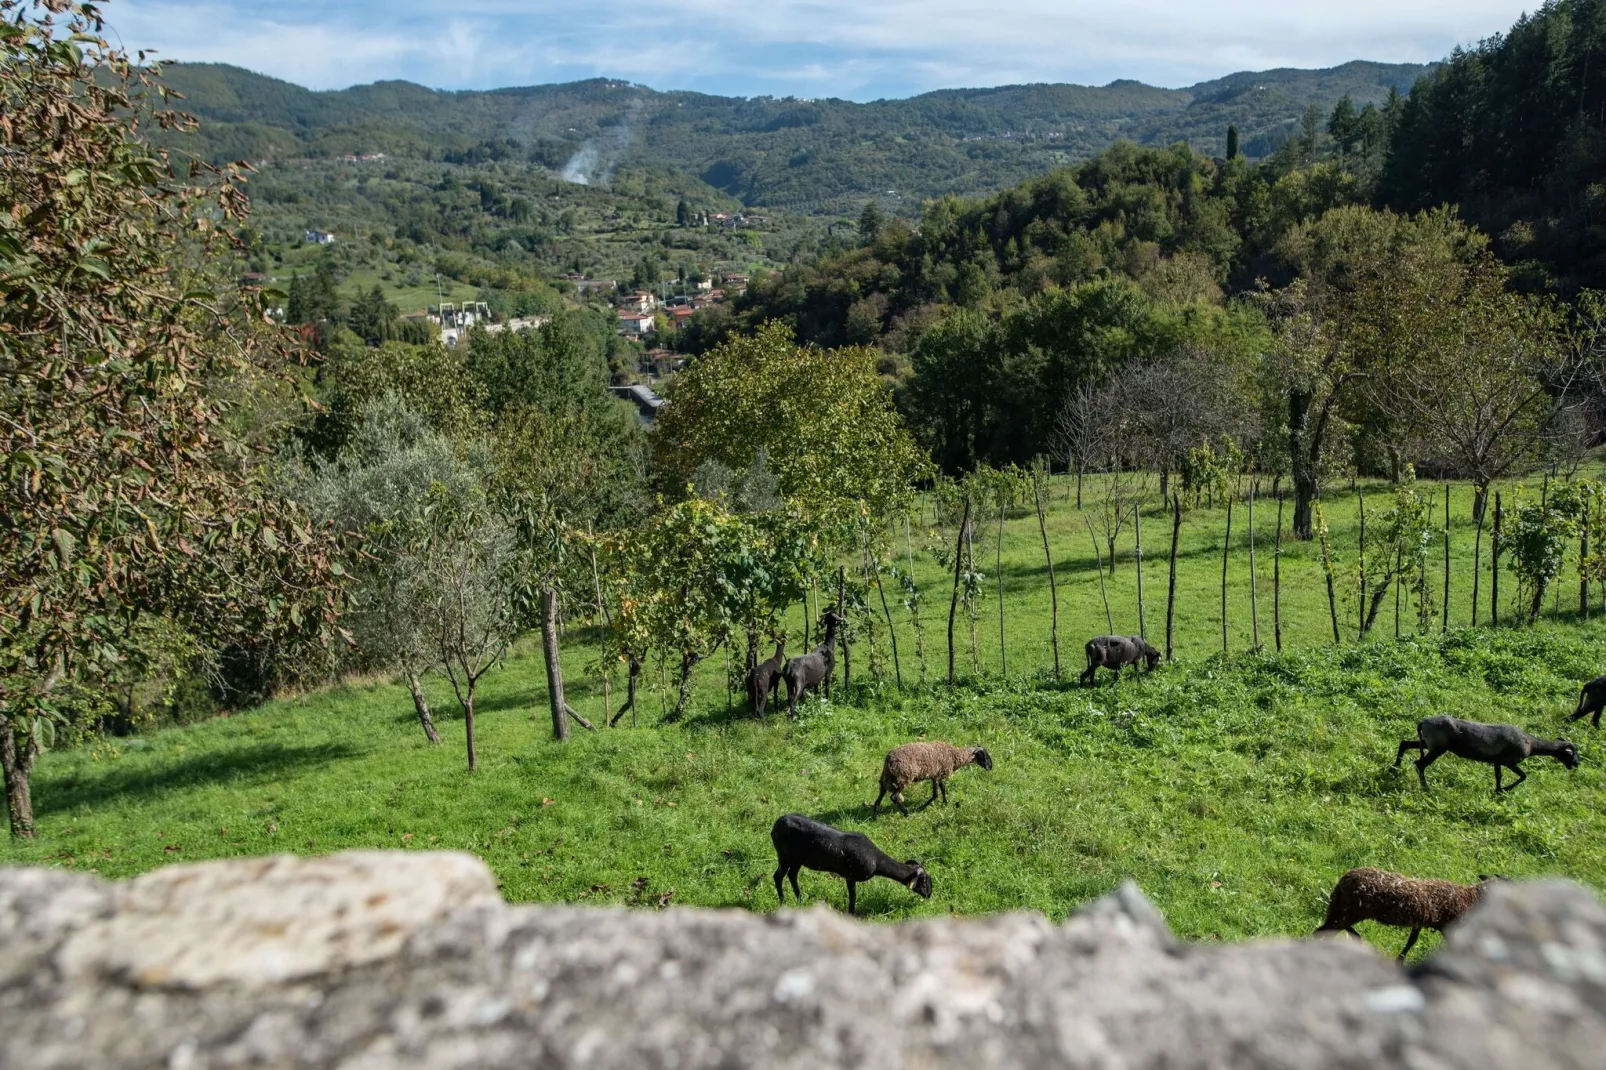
pixel 765 679
pixel 803 842
pixel 1115 651
pixel 1503 746
pixel 814 668
pixel 1591 700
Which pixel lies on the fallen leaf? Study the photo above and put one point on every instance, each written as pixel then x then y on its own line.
pixel 406 836
pixel 546 802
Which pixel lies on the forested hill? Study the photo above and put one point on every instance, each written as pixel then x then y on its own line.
pixel 790 153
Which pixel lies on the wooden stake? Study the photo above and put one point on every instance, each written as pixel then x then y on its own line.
pixel 953 602
pixel 1226 545
pixel 1171 582
pixel 1277 575
pixel 1003 658
pixel 1098 558
pixel 1444 627
pixel 1254 600
pixel 1053 589
pixel 1137 528
pixel 1360 625
pixel 1494 565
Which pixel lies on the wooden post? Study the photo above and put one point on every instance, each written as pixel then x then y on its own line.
pixel 607 633
pixel 1327 569
pixel 1137 528
pixel 1399 581
pixel 953 602
pixel 1494 565
pixel 892 634
pixel 842 637
pixel 1477 560
pixel 1254 601
pixel 1098 559
pixel 1226 544
pixel 554 667
pixel 1583 564
pixel 1445 595
pixel 1171 581
pixel 1277 575
pixel 1053 590
pixel 1360 625
pixel 1003 657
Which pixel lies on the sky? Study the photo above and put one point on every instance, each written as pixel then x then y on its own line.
pixel 855 49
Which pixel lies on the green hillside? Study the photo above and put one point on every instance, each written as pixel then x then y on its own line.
pixel 797 154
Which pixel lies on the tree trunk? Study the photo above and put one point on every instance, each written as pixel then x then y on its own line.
pixel 1111 546
pixel 1480 501
pixel 554 667
pixel 953 602
pixel 18 768
pixel 688 662
pixel 468 724
pixel 1079 485
pixel 422 707
pixel 892 634
pixel 1583 564
pixel 1171 581
pixel 1327 570
pixel 1165 484
pixel 1053 590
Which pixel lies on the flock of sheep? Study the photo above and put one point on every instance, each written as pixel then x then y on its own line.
pixel 1362 894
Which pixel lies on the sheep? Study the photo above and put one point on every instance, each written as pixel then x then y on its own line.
pixel 1367 894
pixel 765 679
pixel 1591 700
pixel 1500 745
pixel 801 841
pixel 1115 651
pixel 814 668
pixel 935 761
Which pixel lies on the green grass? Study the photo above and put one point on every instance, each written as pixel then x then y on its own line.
pixel 1233 789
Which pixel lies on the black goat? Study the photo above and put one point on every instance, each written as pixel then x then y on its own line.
pixel 1503 746
pixel 765 679
pixel 1591 700
pixel 803 842
pixel 1116 651
pixel 814 668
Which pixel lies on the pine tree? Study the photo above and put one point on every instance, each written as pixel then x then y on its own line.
pixel 682 212
pixel 870 222
pixel 1344 125
pixel 1310 134
pixel 1232 143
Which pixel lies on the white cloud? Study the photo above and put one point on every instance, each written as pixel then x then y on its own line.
pixel 841 47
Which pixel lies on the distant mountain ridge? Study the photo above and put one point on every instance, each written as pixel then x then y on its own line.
pixel 793 153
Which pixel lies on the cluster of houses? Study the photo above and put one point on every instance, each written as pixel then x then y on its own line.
pixel 638 310
pixel 456 319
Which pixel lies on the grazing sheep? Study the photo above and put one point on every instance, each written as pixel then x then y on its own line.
pixel 935 761
pixel 801 841
pixel 765 679
pixel 1503 746
pixel 1368 894
pixel 1115 651
pixel 814 668
pixel 1591 700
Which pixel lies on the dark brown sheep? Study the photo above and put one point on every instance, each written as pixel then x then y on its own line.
pixel 1116 651
pixel 1414 903
pixel 814 668
pixel 765 679
pixel 934 761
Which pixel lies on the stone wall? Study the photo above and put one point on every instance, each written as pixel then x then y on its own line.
pixel 379 959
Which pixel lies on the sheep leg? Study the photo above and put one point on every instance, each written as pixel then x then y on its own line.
pixel 1410 943
pixel 1087 675
pixel 1422 764
pixel 875 810
pixel 897 799
pixel 928 802
pixel 1405 745
pixel 780 889
pixel 943 784
pixel 1521 776
pixel 796 891
pixel 852 897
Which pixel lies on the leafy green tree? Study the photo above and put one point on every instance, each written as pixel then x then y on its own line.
pixel 314 298
pixel 373 319
pixel 127 373
pixel 870 222
pixel 824 420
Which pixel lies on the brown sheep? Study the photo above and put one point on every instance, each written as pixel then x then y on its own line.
pixel 1367 894
pixel 935 761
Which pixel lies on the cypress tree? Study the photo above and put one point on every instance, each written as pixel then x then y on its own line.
pixel 1232 143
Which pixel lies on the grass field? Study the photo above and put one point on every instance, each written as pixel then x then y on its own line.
pixel 1234 789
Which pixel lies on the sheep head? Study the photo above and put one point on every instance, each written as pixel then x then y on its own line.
pixel 920 882
pixel 982 758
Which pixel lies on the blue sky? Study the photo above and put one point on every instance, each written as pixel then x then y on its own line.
pixel 857 49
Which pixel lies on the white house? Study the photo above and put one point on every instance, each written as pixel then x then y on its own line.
pixel 319 237
pixel 634 323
